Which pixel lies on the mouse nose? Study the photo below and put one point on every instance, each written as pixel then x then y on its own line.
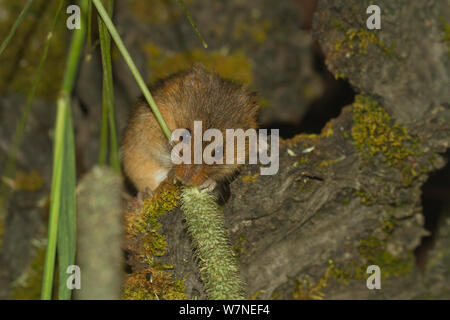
pixel 189 174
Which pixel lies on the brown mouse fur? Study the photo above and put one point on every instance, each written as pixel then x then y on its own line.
pixel 183 98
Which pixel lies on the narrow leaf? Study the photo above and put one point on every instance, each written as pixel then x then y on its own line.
pixel 62 205
pixel 15 26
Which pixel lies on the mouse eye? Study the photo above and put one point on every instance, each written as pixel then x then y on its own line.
pixel 186 136
pixel 217 153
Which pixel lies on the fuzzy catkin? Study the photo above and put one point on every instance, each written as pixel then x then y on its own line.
pixel 217 265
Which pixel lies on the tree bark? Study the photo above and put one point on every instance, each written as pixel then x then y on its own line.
pixel 341 201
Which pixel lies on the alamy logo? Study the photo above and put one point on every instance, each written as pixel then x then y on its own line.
pixel 73 21
pixel 216 153
pixel 374 20
pixel 74 278
pixel 374 280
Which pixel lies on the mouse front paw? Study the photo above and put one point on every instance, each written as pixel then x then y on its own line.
pixel 208 184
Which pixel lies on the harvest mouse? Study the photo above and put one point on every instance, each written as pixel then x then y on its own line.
pixel 185 97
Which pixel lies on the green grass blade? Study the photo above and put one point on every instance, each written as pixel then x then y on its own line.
pixel 191 21
pixel 49 265
pixel 140 81
pixel 108 114
pixel 89 29
pixel 63 178
pixel 15 26
pixel 20 130
pixel 103 130
pixel 66 235
pixel 104 125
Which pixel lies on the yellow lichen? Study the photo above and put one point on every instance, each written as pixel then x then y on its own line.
pixel 375 134
pixel 366 198
pixel 304 289
pixel 339 75
pixel 233 66
pixel 373 251
pixel 255 296
pixel 151 279
pixel 301 161
pixel 238 248
pixel 251 178
pixel 305 184
pixel 388 225
pixel 358 41
pixel 326 163
pixel 327 130
pixel 28 287
pixel 31 181
pixel 254 29
pixel 151 284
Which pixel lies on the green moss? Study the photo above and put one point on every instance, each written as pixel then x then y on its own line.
pixel 347 273
pixel 234 66
pixel 312 136
pixel 255 296
pixel 276 295
pixel 21 58
pixel 153 208
pixel 302 161
pixel 238 248
pixel 305 184
pixel 151 279
pixel 28 181
pixel 306 289
pixel 327 130
pixel 153 285
pixel 251 178
pixel 339 75
pixel 388 225
pixel 366 198
pixel 372 251
pixel 356 42
pixel 29 286
pixel 327 163
pixel 375 134
pixel 177 290
pixel 338 25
